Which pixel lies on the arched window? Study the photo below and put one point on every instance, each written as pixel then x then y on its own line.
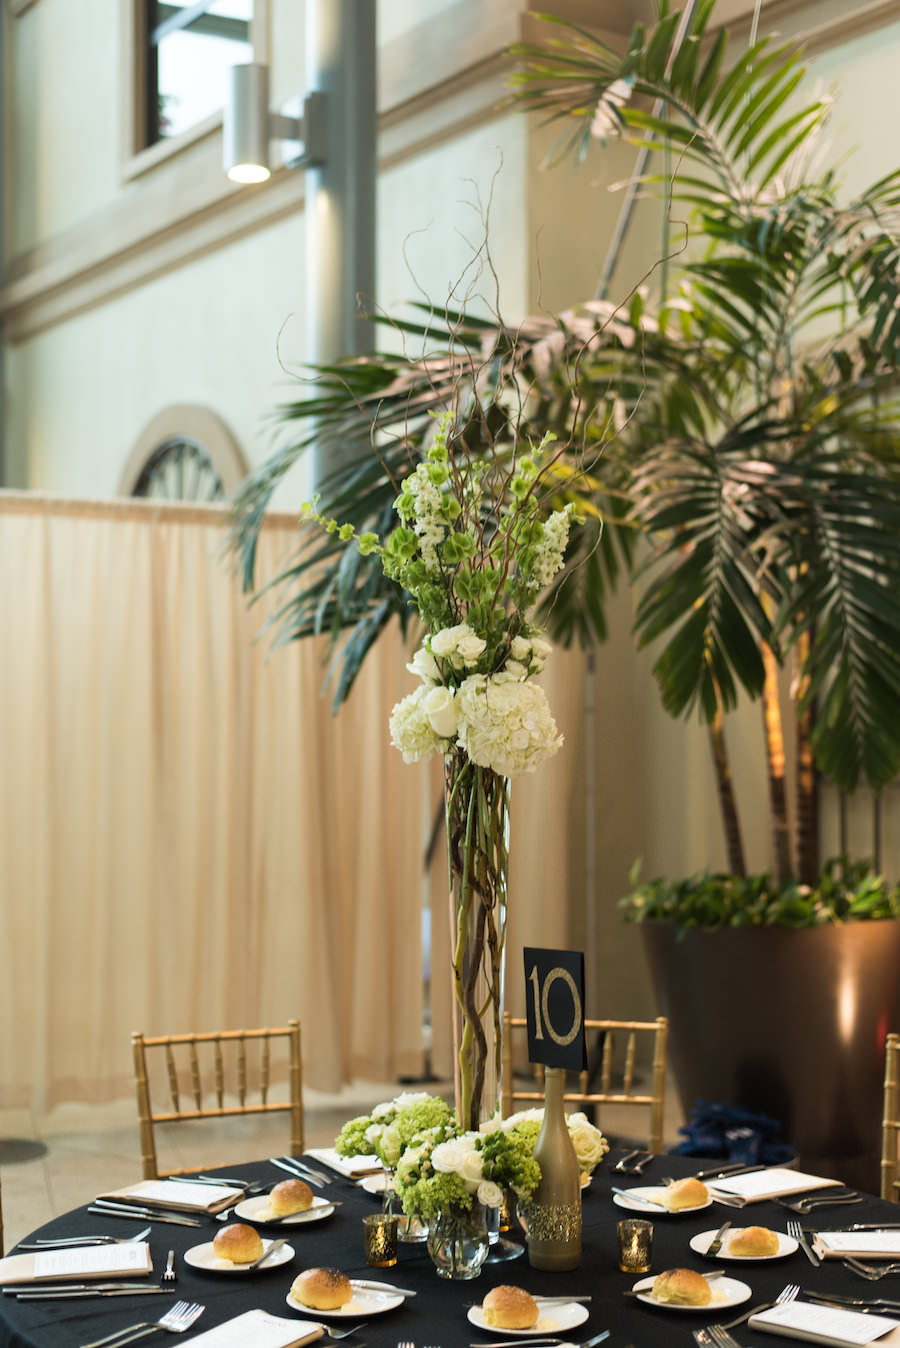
pixel 186 453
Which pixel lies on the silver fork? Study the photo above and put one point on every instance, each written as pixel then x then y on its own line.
pixel 867 1271
pixel 176 1321
pixel 342 1333
pixel 168 1274
pixel 722 1338
pixel 788 1293
pixel 795 1231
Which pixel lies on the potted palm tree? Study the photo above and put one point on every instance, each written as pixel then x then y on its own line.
pixel 738 463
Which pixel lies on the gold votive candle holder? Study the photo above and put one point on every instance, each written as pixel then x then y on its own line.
pixel 380 1239
pixel 635 1245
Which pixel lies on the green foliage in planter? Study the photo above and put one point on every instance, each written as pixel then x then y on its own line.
pixel 845 891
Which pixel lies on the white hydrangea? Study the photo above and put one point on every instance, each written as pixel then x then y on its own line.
pixel 411 731
pixel 506 725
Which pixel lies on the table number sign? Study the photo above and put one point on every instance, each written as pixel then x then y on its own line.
pixel 554 985
pixel 554 1007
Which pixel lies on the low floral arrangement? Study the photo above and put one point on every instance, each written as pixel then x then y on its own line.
pixel 438 1168
pixel 445 1171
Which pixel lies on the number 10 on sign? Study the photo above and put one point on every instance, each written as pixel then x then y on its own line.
pixel 554 986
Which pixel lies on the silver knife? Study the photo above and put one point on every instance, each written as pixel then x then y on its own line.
pixel 807 1248
pixel 383 1287
pixel 310 1170
pixel 296 1172
pixel 142 1214
pixel 715 1244
pixel 729 1171
pixel 65 1296
pixel 32 1288
pixel 639 1198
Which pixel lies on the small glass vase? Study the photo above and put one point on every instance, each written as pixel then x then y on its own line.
pixel 458 1242
pixel 410 1230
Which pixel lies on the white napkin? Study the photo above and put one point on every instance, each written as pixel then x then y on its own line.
pixel 353 1167
pixel 768 1184
pixel 822 1324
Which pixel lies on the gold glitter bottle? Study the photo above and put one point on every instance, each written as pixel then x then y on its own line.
pixel 554 1213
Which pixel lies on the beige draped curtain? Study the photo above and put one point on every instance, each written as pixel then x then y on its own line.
pixel 190 840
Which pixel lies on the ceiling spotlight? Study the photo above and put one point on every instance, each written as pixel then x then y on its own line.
pixel 249 126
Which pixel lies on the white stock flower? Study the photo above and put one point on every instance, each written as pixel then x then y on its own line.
pixel 489 1193
pixel 411 731
pixel 550 549
pixel 506 725
pixel 439 705
pixel 424 664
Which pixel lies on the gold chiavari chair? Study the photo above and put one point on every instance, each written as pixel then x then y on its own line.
pixel 890 1122
pixel 1 1222
pixel 630 1052
pixel 224 1055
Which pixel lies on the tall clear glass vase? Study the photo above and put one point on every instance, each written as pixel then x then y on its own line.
pixel 477 817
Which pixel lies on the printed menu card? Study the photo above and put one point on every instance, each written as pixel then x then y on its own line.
pixel 179 1195
pixel 864 1244
pixel 126 1260
pixel 260 1329
pixel 822 1324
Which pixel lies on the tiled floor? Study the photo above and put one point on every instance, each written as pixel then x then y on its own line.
pixel 90 1148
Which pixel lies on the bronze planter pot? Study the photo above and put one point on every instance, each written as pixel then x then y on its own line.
pixel 786 1023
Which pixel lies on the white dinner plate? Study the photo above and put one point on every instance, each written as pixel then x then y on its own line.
pixel 725 1292
pixel 202 1256
pixel 363 1302
pixel 564 1316
pixel 700 1243
pixel 256 1209
pixel 373 1184
pixel 652 1191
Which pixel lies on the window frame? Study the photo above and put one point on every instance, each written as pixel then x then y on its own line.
pixel 136 157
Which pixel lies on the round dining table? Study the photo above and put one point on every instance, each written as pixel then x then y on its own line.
pixel 437 1316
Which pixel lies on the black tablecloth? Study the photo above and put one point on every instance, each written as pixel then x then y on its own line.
pixel 438 1314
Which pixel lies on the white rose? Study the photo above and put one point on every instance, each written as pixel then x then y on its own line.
pixel 489 1193
pixel 424 664
pixel 515 669
pixel 470 648
pixel 446 1157
pixel 443 642
pixel 519 648
pixel 589 1143
pixel 439 705
pixel 373 1133
pixel 471 1168
pixel 541 648
pixel 407 1098
pixel 381 1110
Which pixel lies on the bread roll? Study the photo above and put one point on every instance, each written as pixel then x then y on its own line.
pixel 324 1289
pixel 291 1195
pixel 682 1287
pixel 687 1193
pixel 753 1242
pixel 509 1308
pixel 240 1244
